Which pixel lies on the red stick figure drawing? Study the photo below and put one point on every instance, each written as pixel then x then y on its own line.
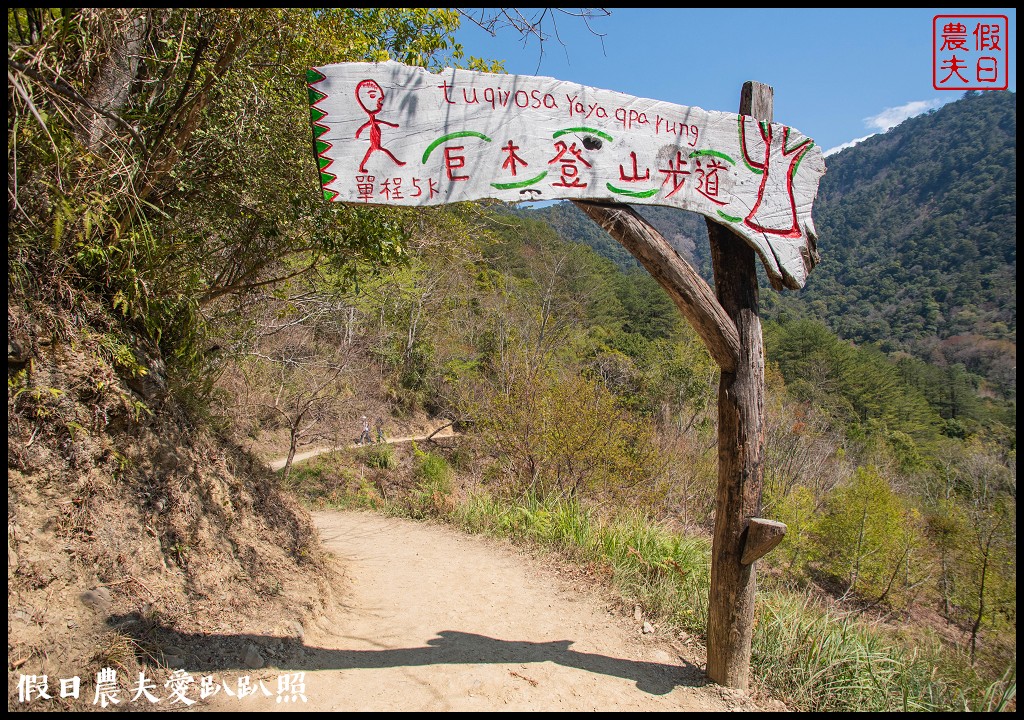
pixel 371 98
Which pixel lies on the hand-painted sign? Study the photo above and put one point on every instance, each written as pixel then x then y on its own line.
pixel 390 134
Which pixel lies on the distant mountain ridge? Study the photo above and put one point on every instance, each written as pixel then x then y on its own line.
pixel 917 234
pixel 918 227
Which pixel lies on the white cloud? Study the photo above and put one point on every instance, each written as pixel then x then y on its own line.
pixel 838 148
pixel 891 117
pixel 888 119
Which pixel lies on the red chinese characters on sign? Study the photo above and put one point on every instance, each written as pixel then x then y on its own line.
pixel 364 185
pixel 454 160
pixel 513 160
pixel 970 52
pixel 675 174
pixel 569 157
pixel 635 175
pixel 707 178
pixel 393 188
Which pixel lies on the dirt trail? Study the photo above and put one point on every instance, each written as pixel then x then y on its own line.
pixel 299 457
pixel 432 619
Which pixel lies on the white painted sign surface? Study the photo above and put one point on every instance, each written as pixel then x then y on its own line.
pixel 391 134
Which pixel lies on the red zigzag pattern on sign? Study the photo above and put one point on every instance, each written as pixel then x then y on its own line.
pixel 313 76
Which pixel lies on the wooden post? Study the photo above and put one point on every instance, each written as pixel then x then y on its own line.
pixel 740 444
pixel 731 328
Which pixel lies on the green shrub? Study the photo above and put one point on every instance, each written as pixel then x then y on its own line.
pixel 432 494
pixel 381 457
pixel 866 535
pixel 433 471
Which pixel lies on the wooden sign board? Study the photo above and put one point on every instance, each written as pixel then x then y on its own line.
pixel 390 134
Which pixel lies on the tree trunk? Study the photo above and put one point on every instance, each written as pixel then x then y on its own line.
pixel 110 90
pixel 944 582
pixel 293 442
pixel 740 444
pixel 986 550
pixel 857 557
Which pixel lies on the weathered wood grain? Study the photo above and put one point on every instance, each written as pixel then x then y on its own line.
pixel 740 445
pixel 763 536
pixel 390 134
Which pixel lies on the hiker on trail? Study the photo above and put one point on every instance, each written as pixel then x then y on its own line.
pixel 380 430
pixel 364 437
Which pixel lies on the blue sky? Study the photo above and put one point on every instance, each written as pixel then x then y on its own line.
pixel 839 75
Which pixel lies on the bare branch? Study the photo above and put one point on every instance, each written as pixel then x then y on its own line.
pixel 541 24
pixel 215 293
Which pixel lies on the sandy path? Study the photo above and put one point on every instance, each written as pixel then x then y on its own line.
pixel 433 619
pixel 299 457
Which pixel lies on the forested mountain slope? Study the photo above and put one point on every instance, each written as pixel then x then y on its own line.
pixel 917 238
pixel 919 229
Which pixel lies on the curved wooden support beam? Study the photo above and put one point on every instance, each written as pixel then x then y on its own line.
pixel 762 537
pixel 683 284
